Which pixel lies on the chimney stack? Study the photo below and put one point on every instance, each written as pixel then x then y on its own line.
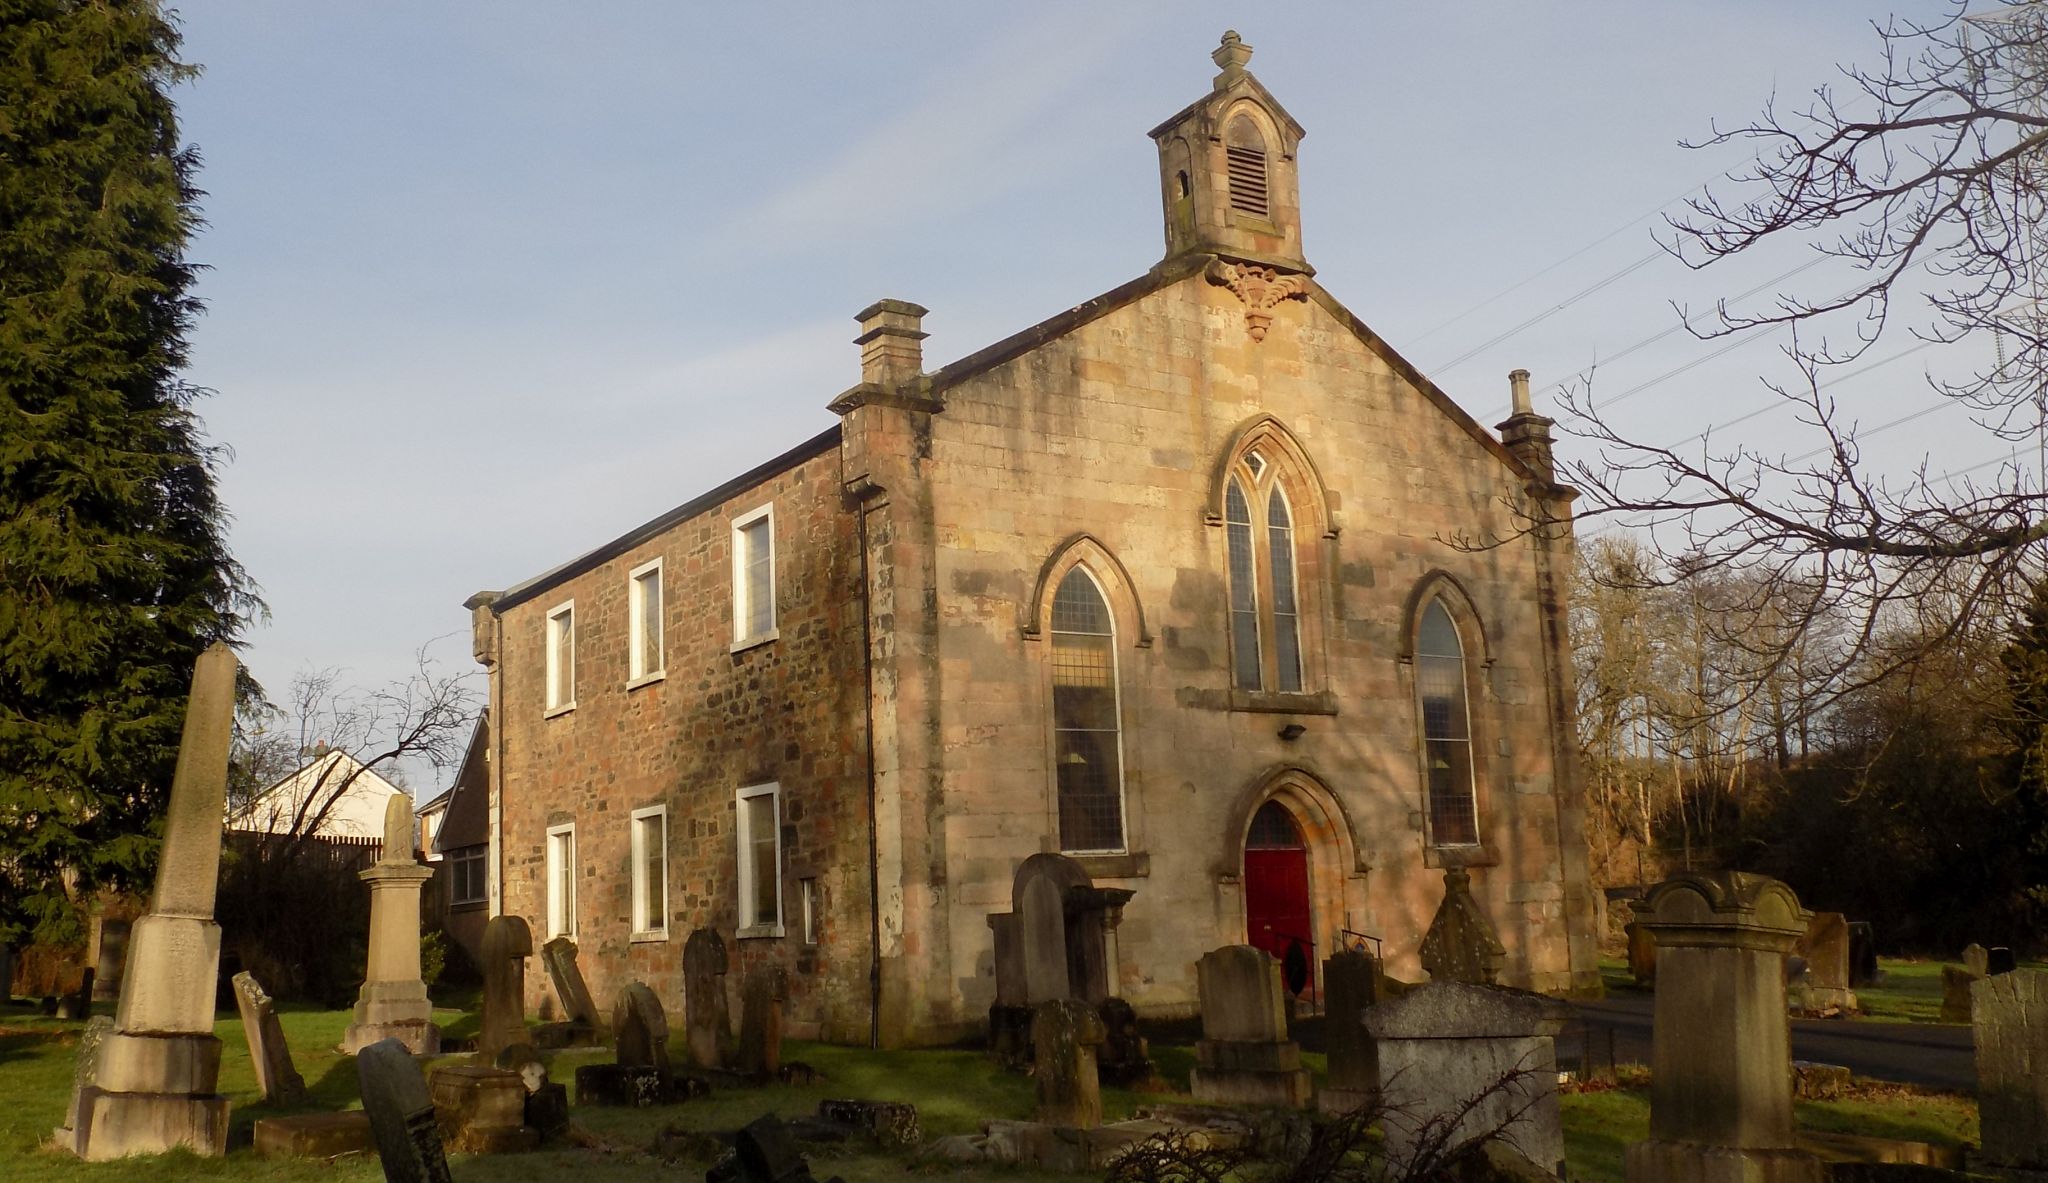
pixel 1526 433
pixel 1518 386
pixel 891 343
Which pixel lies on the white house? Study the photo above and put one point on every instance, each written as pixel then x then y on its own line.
pixel 353 811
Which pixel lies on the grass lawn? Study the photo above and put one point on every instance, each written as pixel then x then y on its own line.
pixel 955 1091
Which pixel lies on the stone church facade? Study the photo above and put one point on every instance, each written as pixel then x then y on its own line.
pixel 1180 582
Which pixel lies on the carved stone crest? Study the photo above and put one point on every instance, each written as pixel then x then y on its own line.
pixel 1261 288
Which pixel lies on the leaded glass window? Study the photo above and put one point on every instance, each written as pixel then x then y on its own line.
pixel 1244 595
pixel 1286 617
pixel 1446 728
pixel 1088 748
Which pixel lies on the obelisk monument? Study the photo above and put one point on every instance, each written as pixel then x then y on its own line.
pixel 393 1003
pixel 154 1080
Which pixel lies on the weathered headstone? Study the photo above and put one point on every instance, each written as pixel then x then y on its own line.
pixel 560 957
pixel 1999 960
pixel 1351 981
pixel 393 1002
pixel 1009 1019
pixel 1042 921
pixel 1976 959
pixel 1244 1056
pixel 1461 945
pixel 760 1047
pixel 2010 1017
pixel 77 1004
pixel 111 963
pixel 96 1030
pixel 1642 953
pixel 507 943
pixel 894 1124
pixel 1863 969
pixel 1066 1033
pixel 402 1119
pixel 640 1029
pixel 1825 946
pixel 1721 1077
pixel 1477 1058
pixel 155 1075
pixel 763 1152
pixel 314 1135
pixel 705 1019
pixel 276 1075
pixel 1057 941
pixel 1955 993
pixel 1125 1059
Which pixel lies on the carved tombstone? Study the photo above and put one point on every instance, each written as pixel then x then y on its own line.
pixel 1351 981
pixel 155 1075
pixel 1245 1057
pixel 640 1029
pixel 2010 1013
pixel 393 1002
pixel 761 998
pixel 1461 945
pixel 276 1075
pixel 1057 941
pixel 507 943
pixel 402 1119
pixel 1067 1032
pixel 704 1009
pixel 560 957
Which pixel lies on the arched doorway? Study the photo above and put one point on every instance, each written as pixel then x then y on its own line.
pixel 1276 892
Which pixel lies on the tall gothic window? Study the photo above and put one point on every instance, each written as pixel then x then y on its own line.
pixel 1088 744
pixel 1446 729
pixel 1265 610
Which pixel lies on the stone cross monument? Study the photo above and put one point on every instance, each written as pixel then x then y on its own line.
pixel 393 1004
pixel 155 1075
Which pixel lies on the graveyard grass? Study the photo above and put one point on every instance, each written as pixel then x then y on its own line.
pixel 954 1091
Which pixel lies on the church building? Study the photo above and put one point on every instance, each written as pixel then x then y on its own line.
pixel 1198 582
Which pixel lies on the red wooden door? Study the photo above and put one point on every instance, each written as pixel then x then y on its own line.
pixel 1276 899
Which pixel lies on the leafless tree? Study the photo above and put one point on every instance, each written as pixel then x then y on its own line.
pixel 331 734
pixel 1924 180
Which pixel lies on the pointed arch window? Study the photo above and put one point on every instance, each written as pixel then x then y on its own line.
pixel 1265 608
pixel 1087 728
pixel 1446 728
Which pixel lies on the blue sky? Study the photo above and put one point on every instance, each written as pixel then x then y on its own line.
pixel 492 283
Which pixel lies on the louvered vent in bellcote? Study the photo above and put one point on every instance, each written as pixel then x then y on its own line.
pixel 1245 153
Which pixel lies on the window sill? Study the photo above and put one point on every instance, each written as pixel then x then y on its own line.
pixel 467 905
pixel 564 709
pixel 752 642
pixel 651 937
pixel 1275 702
pixel 1480 855
pixel 759 931
pixel 646 679
pixel 1134 864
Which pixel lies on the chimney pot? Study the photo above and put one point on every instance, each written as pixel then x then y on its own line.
pixel 891 342
pixel 1518 385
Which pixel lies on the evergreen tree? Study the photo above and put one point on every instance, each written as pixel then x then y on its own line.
pixel 114 572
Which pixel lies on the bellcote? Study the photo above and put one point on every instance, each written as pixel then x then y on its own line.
pixel 1227 173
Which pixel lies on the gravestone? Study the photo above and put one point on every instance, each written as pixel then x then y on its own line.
pixel 1244 1056
pixel 1863 969
pixel 1125 1059
pixel 763 1152
pixel 1825 946
pixel 640 1029
pixel 1057 941
pixel 2010 1018
pixel 760 1047
pixel 1351 981
pixel 97 1029
pixel 1721 1077
pixel 393 1002
pixel 276 1075
pixel 1065 1034
pixel 1476 1058
pixel 481 1109
pixel 1642 953
pixel 402 1119
pixel 507 943
pixel 1461 945
pixel 77 1004
pixel 1976 959
pixel 559 955
pixel 155 1075
pixel 111 938
pixel 706 1026
pixel 1999 960
pixel 1009 1020
pixel 1956 993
